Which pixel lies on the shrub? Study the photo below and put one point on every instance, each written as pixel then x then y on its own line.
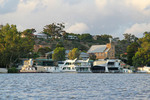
pixel 13 70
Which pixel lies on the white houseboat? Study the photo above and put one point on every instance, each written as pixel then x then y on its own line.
pixel 68 66
pixel 145 69
pixel 80 66
pixel 106 66
pixel 83 66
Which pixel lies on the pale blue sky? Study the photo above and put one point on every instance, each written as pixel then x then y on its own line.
pixel 113 17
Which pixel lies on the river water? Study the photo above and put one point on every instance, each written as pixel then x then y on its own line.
pixel 66 86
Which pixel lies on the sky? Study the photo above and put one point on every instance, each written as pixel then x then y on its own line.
pixel 113 17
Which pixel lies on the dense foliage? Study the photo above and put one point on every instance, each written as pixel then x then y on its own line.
pixel 13 46
pixel 59 54
pixel 131 50
pixel 74 53
pixel 42 51
pixel 13 70
pixel 142 56
pixel 54 30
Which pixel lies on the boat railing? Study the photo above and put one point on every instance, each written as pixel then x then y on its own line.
pixel 82 65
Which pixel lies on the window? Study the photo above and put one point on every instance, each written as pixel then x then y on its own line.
pixel 67 63
pixel 68 68
pixel 64 68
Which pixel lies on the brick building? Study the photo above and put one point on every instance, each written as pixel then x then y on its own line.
pixel 103 51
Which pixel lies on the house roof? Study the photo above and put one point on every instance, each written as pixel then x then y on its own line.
pixel 97 48
pixel 40 34
pixel 107 49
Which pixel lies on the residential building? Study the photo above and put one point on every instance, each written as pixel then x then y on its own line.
pixel 41 35
pixel 72 37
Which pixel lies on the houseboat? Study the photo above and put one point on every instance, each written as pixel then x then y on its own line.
pixel 68 66
pixel 28 67
pixel 106 66
pixel 39 66
pixel 83 66
pixel 47 65
pixel 76 66
pixel 145 69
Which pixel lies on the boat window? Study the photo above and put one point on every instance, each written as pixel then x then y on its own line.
pixel 64 68
pixel 44 63
pixel 60 62
pixel 111 63
pixel 67 63
pixel 68 68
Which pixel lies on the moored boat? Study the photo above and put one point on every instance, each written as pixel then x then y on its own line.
pixel 76 66
pixel 83 66
pixel 39 66
pixel 68 66
pixel 145 69
pixel 106 66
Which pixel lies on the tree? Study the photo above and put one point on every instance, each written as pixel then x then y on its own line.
pixel 42 51
pixel 54 29
pixel 74 53
pixel 105 38
pixel 92 57
pixel 130 37
pixel 59 44
pixel 13 46
pixel 142 56
pixel 131 50
pixel 29 33
pixel 59 54
pixel 86 37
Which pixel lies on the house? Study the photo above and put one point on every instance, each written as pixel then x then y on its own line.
pixel 41 35
pixel 103 51
pixel 72 37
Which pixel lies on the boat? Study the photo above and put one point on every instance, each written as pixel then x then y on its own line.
pixel 145 69
pixel 106 66
pixel 28 67
pixel 3 70
pixel 39 66
pixel 68 66
pixel 46 65
pixel 83 66
pixel 76 66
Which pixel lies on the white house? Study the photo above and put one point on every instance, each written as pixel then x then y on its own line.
pixel 41 35
pixel 72 37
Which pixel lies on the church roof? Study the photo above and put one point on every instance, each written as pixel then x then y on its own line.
pixel 97 48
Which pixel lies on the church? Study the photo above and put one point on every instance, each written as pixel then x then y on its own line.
pixel 103 51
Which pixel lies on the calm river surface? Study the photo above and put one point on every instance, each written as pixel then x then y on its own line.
pixel 64 86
